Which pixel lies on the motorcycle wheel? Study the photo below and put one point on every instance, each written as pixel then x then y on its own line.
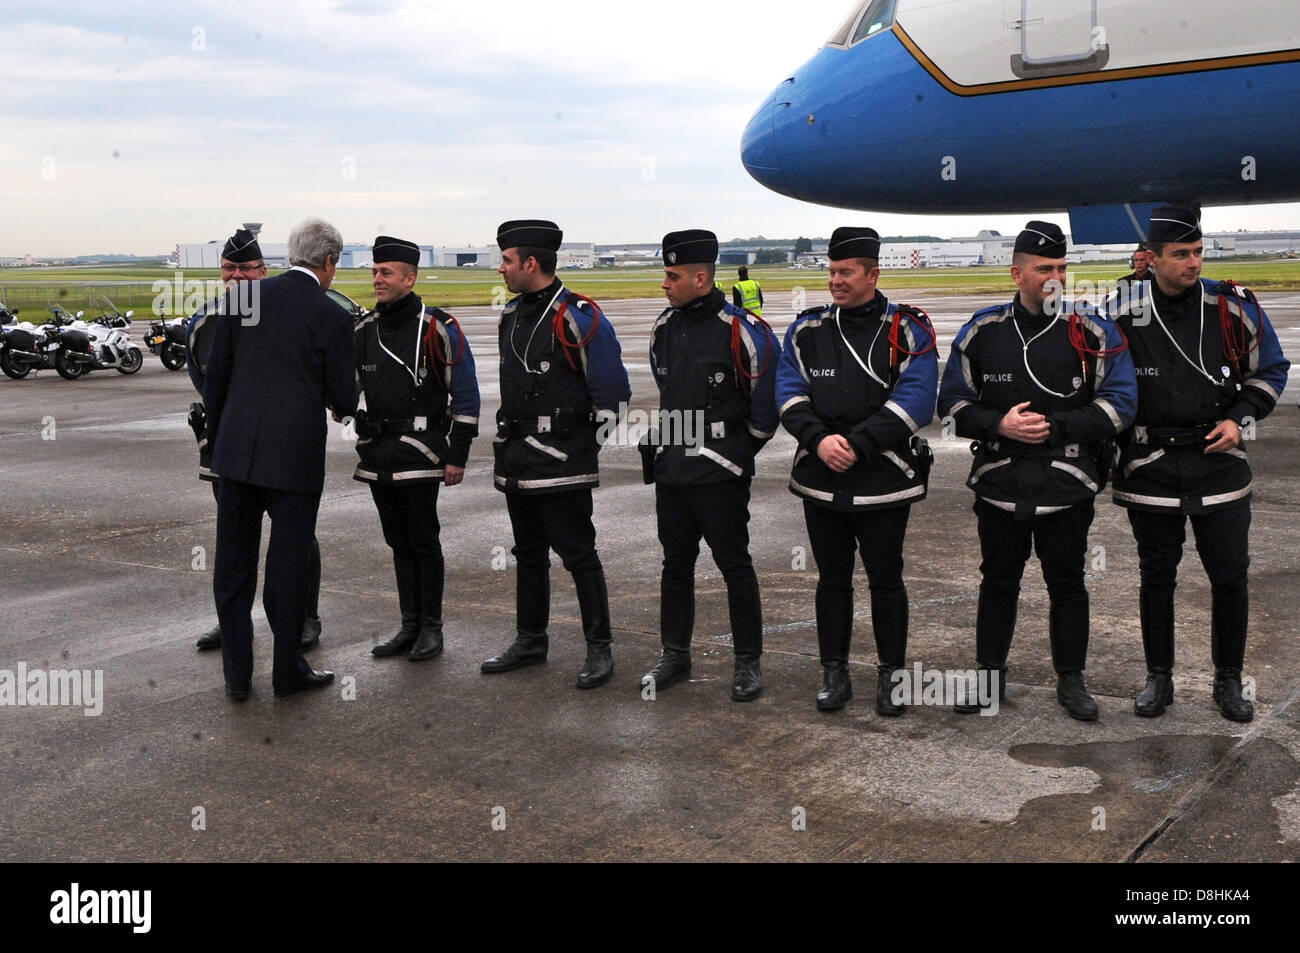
pixel 173 359
pixel 67 368
pixel 14 367
pixel 132 361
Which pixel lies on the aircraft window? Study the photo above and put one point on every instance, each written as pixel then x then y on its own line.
pixel 841 35
pixel 879 17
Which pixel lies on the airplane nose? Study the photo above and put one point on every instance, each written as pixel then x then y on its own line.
pixel 758 150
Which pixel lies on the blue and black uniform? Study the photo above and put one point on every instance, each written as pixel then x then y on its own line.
pixel 715 366
pixel 562 379
pixel 1202 357
pixel 841 375
pixel 422 408
pixel 1037 495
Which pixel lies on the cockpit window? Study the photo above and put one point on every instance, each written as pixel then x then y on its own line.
pixel 841 35
pixel 880 16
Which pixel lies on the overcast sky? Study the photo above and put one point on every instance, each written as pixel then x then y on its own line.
pixel 130 126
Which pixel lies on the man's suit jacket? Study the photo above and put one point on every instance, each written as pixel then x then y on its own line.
pixel 271 377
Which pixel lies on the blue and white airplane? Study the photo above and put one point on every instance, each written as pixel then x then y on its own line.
pixel 1104 108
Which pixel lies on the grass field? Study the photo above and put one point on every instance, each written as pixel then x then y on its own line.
pixel 34 290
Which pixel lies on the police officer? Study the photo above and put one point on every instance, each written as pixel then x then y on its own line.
pixel 716 370
pixel 746 293
pixel 1209 364
pixel 1041 386
pixel 562 380
pixel 858 379
pixel 241 260
pixel 422 407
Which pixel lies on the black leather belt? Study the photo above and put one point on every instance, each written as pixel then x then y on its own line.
pixel 1193 436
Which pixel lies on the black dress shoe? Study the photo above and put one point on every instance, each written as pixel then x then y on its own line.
pixel 1072 694
pixel 526 649
pixel 1158 695
pixel 599 667
pixel 1227 695
pixel 304 681
pixel 310 634
pixel 748 681
pixel 209 641
pixel 238 694
pixel 837 687
pixel 674 666
pixel 399 644
pixel 428 645
pixel 885 693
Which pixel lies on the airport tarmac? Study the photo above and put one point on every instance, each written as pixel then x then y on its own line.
pixel 106 557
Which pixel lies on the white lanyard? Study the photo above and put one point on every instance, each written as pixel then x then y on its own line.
pixel 871 350
pixel 419 336
pixel 1041 386
pixel 1198 365
pixel 523 358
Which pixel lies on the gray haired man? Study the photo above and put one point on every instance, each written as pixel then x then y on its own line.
pixel 273 371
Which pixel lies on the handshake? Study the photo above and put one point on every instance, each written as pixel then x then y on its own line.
pixel 365 428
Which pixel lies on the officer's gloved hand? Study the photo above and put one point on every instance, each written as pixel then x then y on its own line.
pixel 198 420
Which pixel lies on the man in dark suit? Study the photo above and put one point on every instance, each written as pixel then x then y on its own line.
pixel 277 363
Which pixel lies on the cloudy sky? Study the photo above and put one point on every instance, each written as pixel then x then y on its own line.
pixel 131 126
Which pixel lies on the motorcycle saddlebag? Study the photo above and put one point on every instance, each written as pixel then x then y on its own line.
pixel 76 341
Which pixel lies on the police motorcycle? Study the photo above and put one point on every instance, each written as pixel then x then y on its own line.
pixel 101 345
pixel 26 348
pixel 167 340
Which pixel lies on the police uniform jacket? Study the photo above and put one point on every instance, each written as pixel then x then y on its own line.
pixel 422 398
pixel 835 378
pixel 1004 356
pixel 270 379
pixel 555 396
pixel 1186 386
pixel 693 363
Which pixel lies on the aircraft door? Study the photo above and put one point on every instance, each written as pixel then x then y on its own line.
pixel 1057 37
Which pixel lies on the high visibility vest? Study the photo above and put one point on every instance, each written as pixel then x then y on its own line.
pixel 749 296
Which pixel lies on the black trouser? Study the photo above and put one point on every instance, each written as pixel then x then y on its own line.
pixel 718 513
pixel 878 536
pixel 1223 542
pixel 550 521
pixel 1061 541
pixel 240 507
pixel 409 516
pixel 313 577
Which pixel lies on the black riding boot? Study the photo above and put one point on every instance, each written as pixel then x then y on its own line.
pixel 746 609
pixel 676 624
pixel 408 597
pixel 593 604
pixel 532 616
pixel 429 644
pixel 1229 617
pixel 889 621
pixel 1156 608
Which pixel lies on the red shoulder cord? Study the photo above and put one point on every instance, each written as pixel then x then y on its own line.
pixel 1078 336
pixel 738 350
pixel 896 349
pixel 557 329
pixel 1235 346
pixel 433 344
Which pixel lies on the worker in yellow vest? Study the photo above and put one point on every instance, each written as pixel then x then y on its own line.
pixel 746 293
